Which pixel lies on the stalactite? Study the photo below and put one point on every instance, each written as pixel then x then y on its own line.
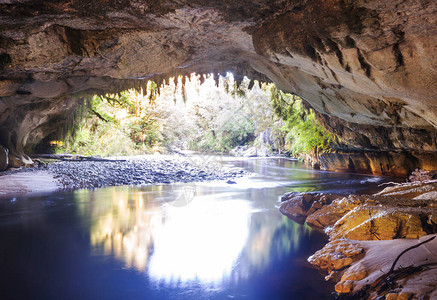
pixel 238 80
pixel 202 79
pixel 184 94
pixel 251 84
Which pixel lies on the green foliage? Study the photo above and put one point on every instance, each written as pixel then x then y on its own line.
pixel 268 126
pixel 227 132
pixel 202 117
pixel 121 124
pixel 304 132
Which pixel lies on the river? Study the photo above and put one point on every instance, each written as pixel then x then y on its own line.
pixel 210 240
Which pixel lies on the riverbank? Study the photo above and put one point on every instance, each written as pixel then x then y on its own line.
pixel 37 181
pixel 115 171
pixel 368 233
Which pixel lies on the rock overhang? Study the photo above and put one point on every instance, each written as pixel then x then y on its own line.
pixel 369 64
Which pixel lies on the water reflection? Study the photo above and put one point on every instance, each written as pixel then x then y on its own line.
pixel 201 241
pixel 213 239
pixel 179 241
pixel 121 224
pixel 218 237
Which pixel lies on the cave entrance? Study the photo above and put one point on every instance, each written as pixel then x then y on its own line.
pixel 203 113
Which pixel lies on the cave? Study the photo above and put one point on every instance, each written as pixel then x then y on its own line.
pixel 368 68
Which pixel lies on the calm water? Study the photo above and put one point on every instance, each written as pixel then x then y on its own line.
pixel 175 241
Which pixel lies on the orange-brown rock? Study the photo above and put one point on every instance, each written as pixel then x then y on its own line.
pixel 363 270
pixel 336 255
pixel 368 232
pixel 405 210
pixel 327 215
pixel 379 223
pixel 391 163
pixel 297 206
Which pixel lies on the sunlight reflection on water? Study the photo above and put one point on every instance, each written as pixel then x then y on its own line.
pixel 218 235
pixel 210 240
pixel 211 234
pixel 201 241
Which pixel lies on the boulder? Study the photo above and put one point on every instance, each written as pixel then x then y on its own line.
pixel 297 206
pixel 336 255
pixel 4 159
pixel 251 152
pixel 378 223
pixel 422 175
pixel 18 161
pixel 329 214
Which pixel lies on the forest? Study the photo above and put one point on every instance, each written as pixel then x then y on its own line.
pixel 199 114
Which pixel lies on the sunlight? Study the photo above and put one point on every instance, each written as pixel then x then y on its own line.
pixel 201 241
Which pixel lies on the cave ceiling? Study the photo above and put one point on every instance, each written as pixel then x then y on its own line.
pixel 368 67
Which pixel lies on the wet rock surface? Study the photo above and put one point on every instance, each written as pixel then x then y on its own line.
pixel 401 211
pixel 389 163
pixel 364 269
pixel 298 206
pixel 133 171
pixel 366 234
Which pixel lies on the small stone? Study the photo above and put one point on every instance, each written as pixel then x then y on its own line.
pixel 344 287
pixel 355 272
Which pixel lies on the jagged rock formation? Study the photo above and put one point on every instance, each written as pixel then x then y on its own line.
pixel 369 64
pixel 361 252
pixel 403 211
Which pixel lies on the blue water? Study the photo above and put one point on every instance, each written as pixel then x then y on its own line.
pixel 210 240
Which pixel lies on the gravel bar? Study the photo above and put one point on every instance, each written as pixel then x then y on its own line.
pixel 140 170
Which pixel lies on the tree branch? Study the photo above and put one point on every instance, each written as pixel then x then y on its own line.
pixel 98 115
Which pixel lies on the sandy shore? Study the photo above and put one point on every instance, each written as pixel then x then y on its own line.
pixel 39 181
